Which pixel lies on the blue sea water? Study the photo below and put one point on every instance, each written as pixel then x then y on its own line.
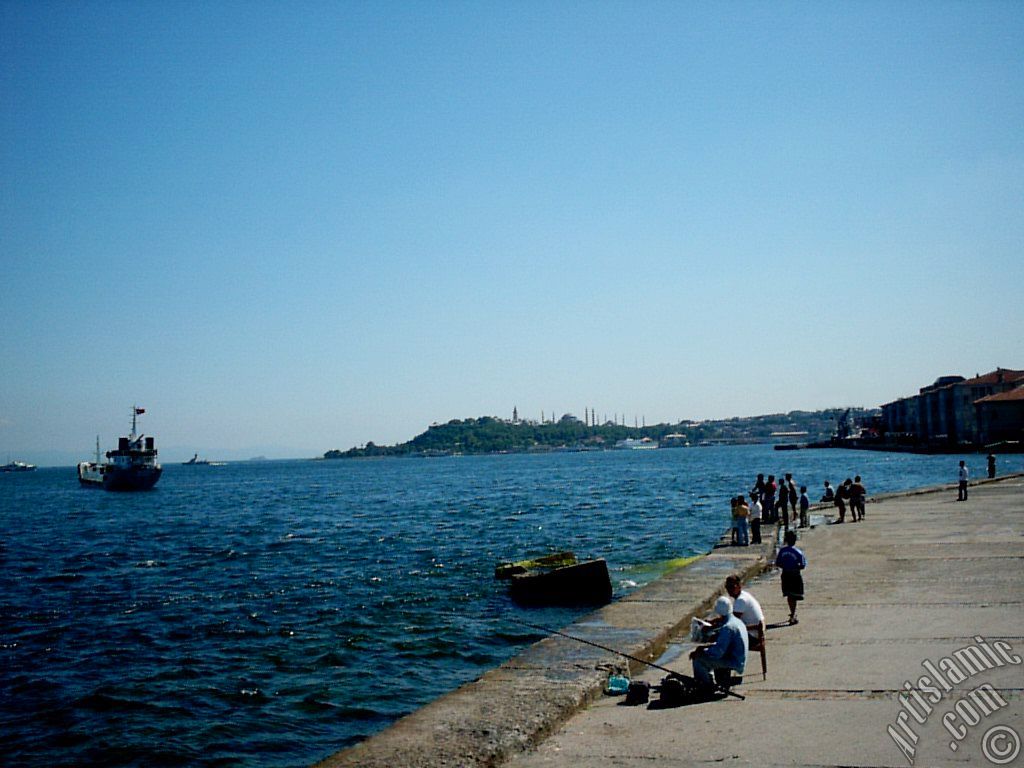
pixel 271 613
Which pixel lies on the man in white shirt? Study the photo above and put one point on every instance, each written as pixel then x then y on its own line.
pixel 961 492
pixel 746 607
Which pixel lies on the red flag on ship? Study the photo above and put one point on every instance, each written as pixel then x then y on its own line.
pixel 140 411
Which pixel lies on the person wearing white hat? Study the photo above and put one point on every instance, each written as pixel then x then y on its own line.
pixel 729 650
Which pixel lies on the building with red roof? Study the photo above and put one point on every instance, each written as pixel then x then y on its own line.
pixel 1001 418
pixel 955 411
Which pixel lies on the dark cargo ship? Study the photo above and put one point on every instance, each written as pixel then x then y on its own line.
pixel 131 467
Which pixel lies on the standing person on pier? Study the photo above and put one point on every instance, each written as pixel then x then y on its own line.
pixel 844 498
pixel 782 508
pixel 734 538
pixel 792 561
pixel 755 518
pixel 742 520
pixel 794 496
pixel 858 495
pixel 839 500
pixel 805 504
pixel 758 487
pixel 961 493
pixel 768 500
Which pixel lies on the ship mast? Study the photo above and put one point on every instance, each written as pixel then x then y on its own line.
pixel 135 411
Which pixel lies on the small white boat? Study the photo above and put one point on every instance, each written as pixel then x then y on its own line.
pixel 633 444
pixel 17 466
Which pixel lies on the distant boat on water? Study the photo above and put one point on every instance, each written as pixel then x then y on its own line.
pixel 131 467
pixel 195 461
pixel 17 466
pixel 634 444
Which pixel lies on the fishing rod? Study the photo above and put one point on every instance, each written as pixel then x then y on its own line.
pixel 672 673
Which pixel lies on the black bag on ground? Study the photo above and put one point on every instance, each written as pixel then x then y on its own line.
pixel 638 693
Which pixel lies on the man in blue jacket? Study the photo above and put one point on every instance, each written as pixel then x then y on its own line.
pixel 729 651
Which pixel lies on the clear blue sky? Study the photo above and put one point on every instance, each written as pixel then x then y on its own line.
pixel 289 227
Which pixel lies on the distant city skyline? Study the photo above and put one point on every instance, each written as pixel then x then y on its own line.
pixel 289 229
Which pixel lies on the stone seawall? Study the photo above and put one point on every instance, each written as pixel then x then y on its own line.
pixel 514 707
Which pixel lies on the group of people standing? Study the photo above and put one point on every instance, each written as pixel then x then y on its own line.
pixel 770 502
pixel 746 522
pixel 851 493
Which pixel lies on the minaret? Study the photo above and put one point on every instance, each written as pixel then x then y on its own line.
pixel 515 415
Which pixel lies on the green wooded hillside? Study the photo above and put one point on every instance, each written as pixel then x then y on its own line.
pixel 488 434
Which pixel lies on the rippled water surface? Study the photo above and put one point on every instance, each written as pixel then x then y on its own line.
pixel 270 613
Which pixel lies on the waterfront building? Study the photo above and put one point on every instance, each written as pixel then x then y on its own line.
pixel 955 411
pixel 1001 418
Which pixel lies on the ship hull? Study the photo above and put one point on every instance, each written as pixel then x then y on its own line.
pixel 112 478
pixel 133 479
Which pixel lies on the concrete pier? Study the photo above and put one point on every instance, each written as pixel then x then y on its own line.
pixel 922 581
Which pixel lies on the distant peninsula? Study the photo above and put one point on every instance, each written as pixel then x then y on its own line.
pixel 488 434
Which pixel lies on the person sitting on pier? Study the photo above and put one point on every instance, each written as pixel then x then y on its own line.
pixel 729 650
pixel 747 609
pixel 829 494
pixel 745 606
